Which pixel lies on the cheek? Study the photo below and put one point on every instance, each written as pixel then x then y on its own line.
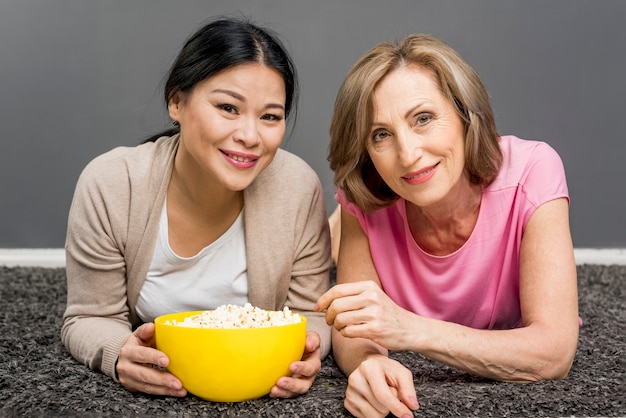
pixel 460 156
pixel 274 137
pixel 384 165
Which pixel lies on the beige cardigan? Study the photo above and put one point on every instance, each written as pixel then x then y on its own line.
pixel 112 229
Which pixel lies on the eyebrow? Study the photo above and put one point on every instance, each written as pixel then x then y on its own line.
pixel 413 109
pixel 407 114
pixel 243 99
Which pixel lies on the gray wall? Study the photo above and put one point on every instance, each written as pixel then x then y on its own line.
pixel 80 77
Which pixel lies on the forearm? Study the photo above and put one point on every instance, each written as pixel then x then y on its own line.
pixel 349 353
pixel 525 354
pixel 95 342
pixel 95 322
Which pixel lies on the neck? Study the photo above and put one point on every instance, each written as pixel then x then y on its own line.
pixel 445 227
pixel 206 199
pixel 462 207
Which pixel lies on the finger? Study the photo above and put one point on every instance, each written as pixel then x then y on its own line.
pixel 350 310
pixel 145 334
pixel 312 341
pixel 153 389
pixel 338 291
pixel 356 304
pixel 288 387
pixel 303 375
pixel 134 353
pixel 362 408
pixel 278 392
pixel 406 391
pixel 324 301
pixel 391 403
pixel 355 327
pixel 312 347
pixel 362 397
pixel 380 381
pixel 387 396
pixel 141 378
pixel 307 368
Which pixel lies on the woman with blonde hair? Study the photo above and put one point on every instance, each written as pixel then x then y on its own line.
pixel 455 241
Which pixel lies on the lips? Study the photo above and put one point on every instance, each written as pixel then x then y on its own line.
pixel 240 160
pixel 420 176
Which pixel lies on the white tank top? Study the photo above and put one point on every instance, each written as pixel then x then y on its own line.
pixel 217 275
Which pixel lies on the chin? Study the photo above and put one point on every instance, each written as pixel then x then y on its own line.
pixel 239 187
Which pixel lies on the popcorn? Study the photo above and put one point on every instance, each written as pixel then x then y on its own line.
pixel 234 316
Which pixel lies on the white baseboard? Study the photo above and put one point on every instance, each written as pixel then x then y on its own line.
pixel 32 257
pixel 55 257
pixel 604 256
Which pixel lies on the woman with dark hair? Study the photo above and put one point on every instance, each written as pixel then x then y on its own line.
pixel 455 241
pixel 208 214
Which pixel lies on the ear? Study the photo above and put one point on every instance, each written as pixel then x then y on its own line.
pixel 174 106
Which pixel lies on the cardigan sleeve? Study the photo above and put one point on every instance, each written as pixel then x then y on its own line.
pixel 112 227
pixel 96 321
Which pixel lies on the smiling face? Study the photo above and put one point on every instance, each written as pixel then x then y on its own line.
pixel 231 125
pixel 417 140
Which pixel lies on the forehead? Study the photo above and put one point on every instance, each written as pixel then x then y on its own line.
pixel 407 77
pixel 253 77
pixel 406 87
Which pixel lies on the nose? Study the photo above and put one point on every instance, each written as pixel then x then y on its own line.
pixel 247 132
pixel 408 147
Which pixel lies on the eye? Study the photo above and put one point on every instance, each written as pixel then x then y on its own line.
pixel 228 108
pixel 272 117
pixel 379 135
pixel 423 118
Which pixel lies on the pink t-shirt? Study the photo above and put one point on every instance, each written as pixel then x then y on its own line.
pixel 477 285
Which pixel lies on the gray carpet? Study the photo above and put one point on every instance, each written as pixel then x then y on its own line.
pixel 39 378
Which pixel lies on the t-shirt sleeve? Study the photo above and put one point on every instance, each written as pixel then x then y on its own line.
pixel 341 198
pixel 544 178
pixel 351 208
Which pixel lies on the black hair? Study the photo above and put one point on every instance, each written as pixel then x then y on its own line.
pixel 221 44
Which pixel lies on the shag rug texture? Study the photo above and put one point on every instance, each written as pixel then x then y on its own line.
pixel 38 377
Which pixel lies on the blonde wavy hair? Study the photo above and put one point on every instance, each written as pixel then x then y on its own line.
pixel 351 123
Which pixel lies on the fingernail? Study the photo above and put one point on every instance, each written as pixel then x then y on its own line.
pixel 407 416
pixel 316 308
pixel 162 361
pixel 414 402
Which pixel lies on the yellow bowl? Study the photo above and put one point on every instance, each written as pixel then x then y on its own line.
pixel 229 365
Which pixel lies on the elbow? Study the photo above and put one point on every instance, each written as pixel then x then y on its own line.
pixel 559 369
pixel 563 358
pixel 554 370
pixel 555 355
pixel 556 367
pixel 551 362
pixel 551 372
